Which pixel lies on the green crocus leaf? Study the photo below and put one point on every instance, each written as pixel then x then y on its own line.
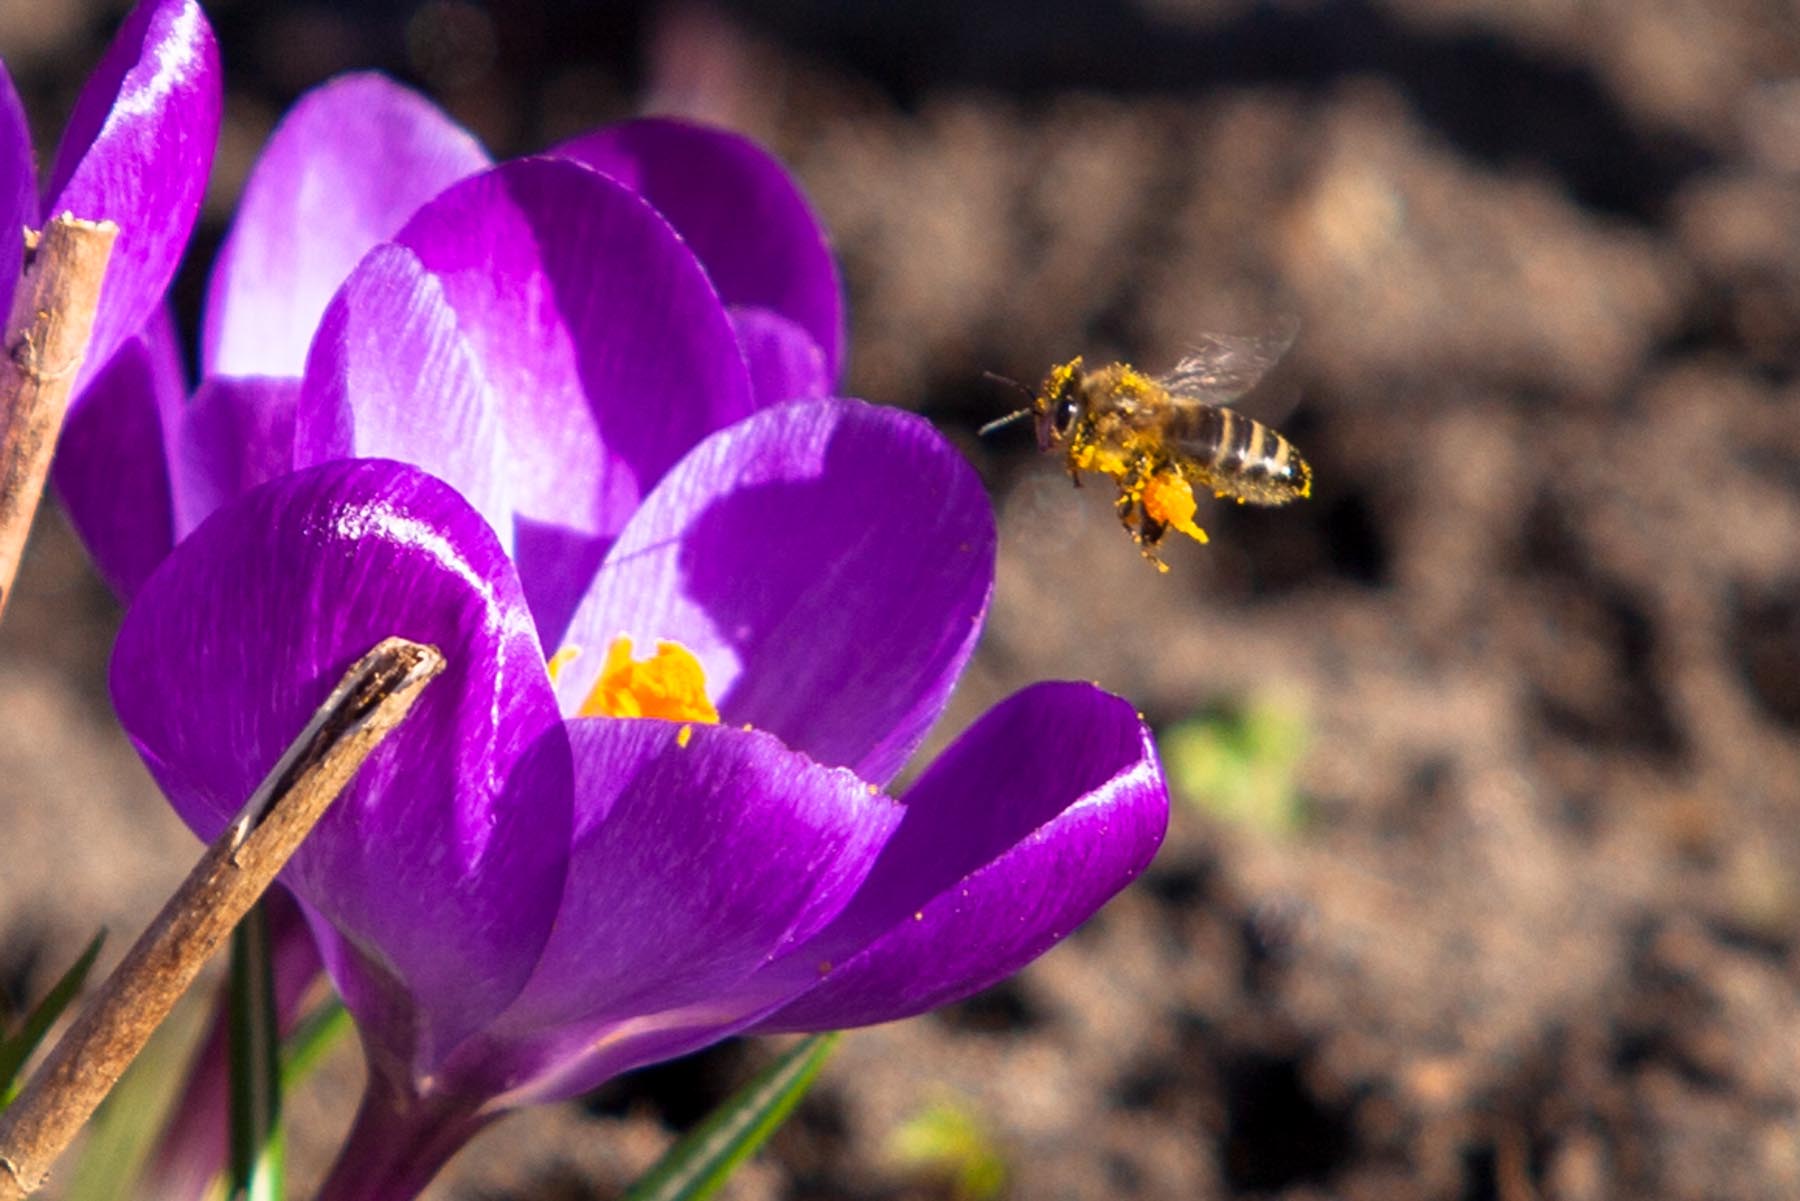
pixel 17 1048
pixel 697 1165
pixel 257 1151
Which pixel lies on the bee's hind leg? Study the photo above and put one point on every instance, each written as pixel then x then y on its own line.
pixel 1131 495
pixel 1149 535
pixel 1126 506
pixel 1144 529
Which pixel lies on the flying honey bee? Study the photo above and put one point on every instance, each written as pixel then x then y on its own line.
pixel 1160 437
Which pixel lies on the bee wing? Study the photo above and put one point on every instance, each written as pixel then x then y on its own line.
pixel 1225 366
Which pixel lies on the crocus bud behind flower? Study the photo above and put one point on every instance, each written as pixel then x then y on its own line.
pixel 136 151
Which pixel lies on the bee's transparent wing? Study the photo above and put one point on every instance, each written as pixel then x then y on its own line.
pixel 1223 367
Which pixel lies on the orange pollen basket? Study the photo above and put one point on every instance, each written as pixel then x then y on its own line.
pixel 1170 500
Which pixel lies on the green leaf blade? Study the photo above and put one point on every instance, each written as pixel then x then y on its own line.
pixel 312 1039
pixel 257 1150
pixel 704 1158
pixel 15 1050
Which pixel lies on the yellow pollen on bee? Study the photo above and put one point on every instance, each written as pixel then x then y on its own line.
pixel 1060 376
pixel 1135 382
pixel 670 684
pixel 1088 456
pixel 1169 499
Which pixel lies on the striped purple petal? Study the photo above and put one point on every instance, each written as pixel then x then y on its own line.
pixel 111 466
pixel 137 150
pixel 1031 821
pixel 18 188
pixel 739 209
pixel 440 868
pixel 828 561
pixel 345 169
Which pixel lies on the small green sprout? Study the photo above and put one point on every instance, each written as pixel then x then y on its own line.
pixel 1238 764
pixel 949 1141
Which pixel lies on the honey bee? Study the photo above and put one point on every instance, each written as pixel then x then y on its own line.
pixel 1159 437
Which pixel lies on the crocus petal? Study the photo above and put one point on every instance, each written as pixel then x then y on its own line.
pixel 18 188
pixel 600 338
pixel 441 866
pixel 699 852
pixel 111 466
pixel 233 435
pixel 739 210
pixel 351 161
pixel 828 561
pixel 785 363
pixel 391 376
pixel 137 150
pixel 1037 815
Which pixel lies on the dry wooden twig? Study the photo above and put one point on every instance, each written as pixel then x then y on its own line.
pixel 373 697
pixel 46 340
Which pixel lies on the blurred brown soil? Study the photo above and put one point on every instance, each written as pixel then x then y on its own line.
pixel 1536 934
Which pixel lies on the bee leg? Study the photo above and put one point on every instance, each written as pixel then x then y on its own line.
pixel 1149 534
pixel 1126 506
pixel 1150 530
pixel 1131 486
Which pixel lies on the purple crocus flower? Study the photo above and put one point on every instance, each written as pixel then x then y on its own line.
pixel 549 414
pixel 136 150
pixel 518 901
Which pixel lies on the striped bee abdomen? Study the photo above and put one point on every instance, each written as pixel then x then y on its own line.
pixel 1240 457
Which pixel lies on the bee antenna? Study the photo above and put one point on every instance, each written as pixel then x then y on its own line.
pixel 1015 415
pixel 1009 382
pixel 1002 422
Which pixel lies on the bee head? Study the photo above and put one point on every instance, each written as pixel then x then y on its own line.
pixel 1060 405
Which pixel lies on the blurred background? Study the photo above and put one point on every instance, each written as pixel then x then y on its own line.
pixel 1484 875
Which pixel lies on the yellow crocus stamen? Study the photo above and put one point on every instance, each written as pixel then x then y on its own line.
pixel 670 684
pixel 562 659
pixel 1169 499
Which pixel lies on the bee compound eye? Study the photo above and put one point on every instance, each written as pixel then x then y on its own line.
pixel 1063 419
